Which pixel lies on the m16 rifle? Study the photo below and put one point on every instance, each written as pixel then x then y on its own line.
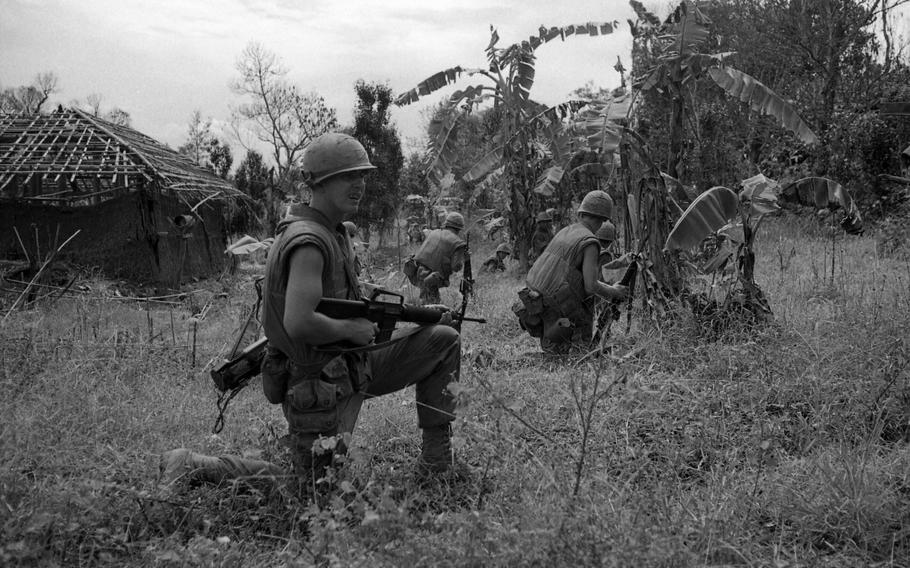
pixel 610 311
pixel 467 285
pixel 235 373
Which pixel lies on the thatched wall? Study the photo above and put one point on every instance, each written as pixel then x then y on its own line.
pixel 133 236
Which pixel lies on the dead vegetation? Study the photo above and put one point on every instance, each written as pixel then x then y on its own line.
pixel 783 444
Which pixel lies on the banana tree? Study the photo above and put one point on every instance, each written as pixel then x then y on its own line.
pixel 731 220
pixel 827 195
pixel 509 78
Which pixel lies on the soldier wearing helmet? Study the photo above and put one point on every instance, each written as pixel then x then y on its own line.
pixel 497 262
pixel 542 235
pixel 606 235
pixel 562 283
pixel 321 390
pixel 440 255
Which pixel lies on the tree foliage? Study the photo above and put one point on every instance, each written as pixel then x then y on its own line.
pixel 92 105
pixel 252 176
pixel 380 138
pixel 199 134
pixel 31 98
pixel 204 148
pixel 826 60
pixel 220 158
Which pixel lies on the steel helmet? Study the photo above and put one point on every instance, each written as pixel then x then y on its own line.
pixel 544 216
pixel 351 228
pixel 454 220
pixel 504 247
pixel 598 204
pixel 331 154
pixel 606 232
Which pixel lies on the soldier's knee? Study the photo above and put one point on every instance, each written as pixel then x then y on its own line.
pixel 442 338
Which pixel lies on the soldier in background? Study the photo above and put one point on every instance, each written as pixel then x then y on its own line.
pixel 606 235
pixel 440 255
pixel 557 304
pixel 496 262
pixel 608 311
pixel 542 235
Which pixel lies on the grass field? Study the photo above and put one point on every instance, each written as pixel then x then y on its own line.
pixel 782 445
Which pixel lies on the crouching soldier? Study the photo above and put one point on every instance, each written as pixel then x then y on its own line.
pixel 609 262
pixel 557 304
pixel 321 389
pixel 543 234
pixel 440 255
pixel 497 262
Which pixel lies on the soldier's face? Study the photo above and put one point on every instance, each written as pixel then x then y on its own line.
pixel 345 191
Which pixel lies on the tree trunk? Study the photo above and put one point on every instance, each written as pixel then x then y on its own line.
pixel 677 135
pixel 886 33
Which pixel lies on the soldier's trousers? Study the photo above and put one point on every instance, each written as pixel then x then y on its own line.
pixel 427 357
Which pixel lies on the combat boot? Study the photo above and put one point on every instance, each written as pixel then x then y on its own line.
pixel 436 453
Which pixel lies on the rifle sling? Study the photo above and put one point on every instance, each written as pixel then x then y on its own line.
pixel 367 348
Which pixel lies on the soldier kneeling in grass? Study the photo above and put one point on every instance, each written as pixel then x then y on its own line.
pixel 557 303
pixel 321 389
pixel 496 263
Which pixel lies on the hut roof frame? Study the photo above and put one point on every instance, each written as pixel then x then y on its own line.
pixel 74 145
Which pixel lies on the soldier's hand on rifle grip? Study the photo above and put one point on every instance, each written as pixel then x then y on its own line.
pixel 446 317
pixel 619 291
pixel 361 331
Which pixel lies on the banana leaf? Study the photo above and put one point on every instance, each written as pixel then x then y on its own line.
pixel 546 183
pixel 687 26
pixel 824 193
pixel 688 190
pixel 760 192
pixel 750 90
pixel 485 165
pixel 719 260
pixel 709 212
pixel 643 14
pixel 733 232
pixel 430 84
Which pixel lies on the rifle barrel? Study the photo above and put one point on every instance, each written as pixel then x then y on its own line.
pixel 467 318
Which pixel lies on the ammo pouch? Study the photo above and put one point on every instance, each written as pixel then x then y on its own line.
pixel 410 270
pixel 530 311
pixel 311 402
pixel 275 375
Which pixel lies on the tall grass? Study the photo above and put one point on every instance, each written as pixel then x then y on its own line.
pixel 778 445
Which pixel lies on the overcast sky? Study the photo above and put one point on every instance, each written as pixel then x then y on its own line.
pixel 161 59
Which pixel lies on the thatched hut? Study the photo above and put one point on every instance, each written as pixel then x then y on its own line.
pixel 144 212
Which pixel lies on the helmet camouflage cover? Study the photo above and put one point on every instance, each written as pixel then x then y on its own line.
pixel 606 232
pixel 332 154
pixel 454 220
pixel 597 203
